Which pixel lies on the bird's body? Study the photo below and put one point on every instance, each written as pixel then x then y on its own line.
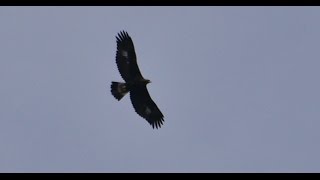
pixel 134 82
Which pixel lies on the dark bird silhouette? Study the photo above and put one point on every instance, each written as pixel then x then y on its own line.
pixel 134 82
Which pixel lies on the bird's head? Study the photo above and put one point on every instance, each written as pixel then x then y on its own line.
pixel 146 81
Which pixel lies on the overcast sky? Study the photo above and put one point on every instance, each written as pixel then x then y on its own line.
pixel 238 86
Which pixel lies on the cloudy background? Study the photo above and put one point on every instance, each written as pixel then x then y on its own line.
pixel 239 88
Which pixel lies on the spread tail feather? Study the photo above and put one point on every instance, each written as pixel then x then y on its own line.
pixel 118 90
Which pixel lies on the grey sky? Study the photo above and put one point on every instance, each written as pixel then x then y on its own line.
pixel 238 86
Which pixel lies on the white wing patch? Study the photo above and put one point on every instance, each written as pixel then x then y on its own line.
pixel 148 110
pixel 125 54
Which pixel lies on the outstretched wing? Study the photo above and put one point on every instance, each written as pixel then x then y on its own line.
pixel 145 107
pixel 126 57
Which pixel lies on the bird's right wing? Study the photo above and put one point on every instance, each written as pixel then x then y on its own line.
pixel 126 57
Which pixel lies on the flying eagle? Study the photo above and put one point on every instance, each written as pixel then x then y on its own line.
pixel 134 82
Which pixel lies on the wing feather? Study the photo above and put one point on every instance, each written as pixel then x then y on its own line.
pixel 145 106
pixel 126 58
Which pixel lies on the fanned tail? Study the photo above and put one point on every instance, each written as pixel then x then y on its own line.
pixel 119 90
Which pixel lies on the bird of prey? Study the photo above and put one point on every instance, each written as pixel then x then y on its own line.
pixel 126 61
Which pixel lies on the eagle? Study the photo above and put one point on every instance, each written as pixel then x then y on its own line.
pixel 126 61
